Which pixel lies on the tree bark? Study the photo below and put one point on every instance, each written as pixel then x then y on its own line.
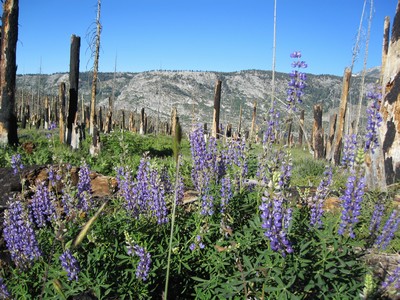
pixel 62 114
pixel 8 70
pixel 385 46
pixel 217 104
pixel 95 71
pixel 334 156
pixel 73 84
pixel 318 132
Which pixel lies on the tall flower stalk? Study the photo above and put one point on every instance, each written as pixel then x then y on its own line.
pixel 297 82
pixel 374 120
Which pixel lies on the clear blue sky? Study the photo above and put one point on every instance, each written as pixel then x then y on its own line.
pixel 210 35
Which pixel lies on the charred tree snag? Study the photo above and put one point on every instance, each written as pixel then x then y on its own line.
pixel 334 155
pixel 385 46
pixel 217 103
pixel 318 133
pixel 73 84
pixel 390 108
pixel 8 70
pixel 61 96
pixel 332 129
pixel 301 133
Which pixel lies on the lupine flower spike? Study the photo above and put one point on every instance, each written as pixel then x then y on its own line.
pixel 297 82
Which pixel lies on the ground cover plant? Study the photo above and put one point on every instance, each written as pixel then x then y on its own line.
pixel 257 228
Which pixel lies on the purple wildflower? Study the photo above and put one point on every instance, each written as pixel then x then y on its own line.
pixel 270 135
pixel 16 163
pixel 349 151
pixel 388 230
pixel 373 122
pixel 143 268
pixel 297 81
pixel 351 204
pixel 376 218
pixel 157 207
pixel 275 221
pixel 394 278
pixel 41 207
pixel 197 244
pixel 70 265
pixel 84 188
pixel 19 235
pixel 4 293
pixel 319 198
pixel 226 193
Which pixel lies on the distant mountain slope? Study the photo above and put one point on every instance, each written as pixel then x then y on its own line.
pixel 192 92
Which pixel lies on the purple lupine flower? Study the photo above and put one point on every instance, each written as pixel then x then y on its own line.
pixel 318 199
pixel 143 268
pixel 180 189
pixel 275 221
pixel 376 218
pixel 236 159
pixel 349 151
pixel 166 181
pixel 226 193
pixel 16 163
pixel 351 204
pixel 388 230
pixel 54 177
pixel 198 149
pixel 207 202
pixel 4 293
pixel 393 278
pixel 41 207
pixel 270 134
pixel 84 188
pixel 374 120
pixel 157 198
pixel 70 264
pixel 297 81
pixel 197 244
pixel 19 235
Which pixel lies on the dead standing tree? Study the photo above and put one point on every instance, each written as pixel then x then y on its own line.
pixel 217 104
pixel 73 88
pixel 8 70
pixel 95 70
pixel 390 108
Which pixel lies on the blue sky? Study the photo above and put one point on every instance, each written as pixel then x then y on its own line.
pixel 209 35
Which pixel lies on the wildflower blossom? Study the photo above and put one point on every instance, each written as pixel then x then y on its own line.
pixel 70 264
pixel 374 120
pixel 319 198
pixel 84 188
pixel 376 218
pixel 392 279
pixel 16 163
pixel 388 230
pixel 41 206
pixel 270 134
pixel 19 235
pixel 197 244
pixel 226 193
pixel 351 204
pixel 297 82
pixel 349 151
pixel 143 268
pixel 4 293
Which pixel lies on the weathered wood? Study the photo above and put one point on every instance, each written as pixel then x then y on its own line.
pixel 174 115
pixel 228 131
pixel 334 155
pixel 46 113
pixel 253 122
pixel 100 119
pixel 217 106
pixel 62 113
pixel 8 70
pixel 240 120
pixel 332 129
pixel 73 85
pixel 301 125
pixel 390 109
pixel 385 46
pixel 318 133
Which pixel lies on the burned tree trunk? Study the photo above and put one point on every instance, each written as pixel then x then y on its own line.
pixel 253 123
pixel 385 46
pixel 332 128
pixel 62 114
pixel 8 70
pixel 217 104
pixel 174 115
pixel 73 85
pixel 301 133
pixel 334 155
pixel 390 109
pixel 318 133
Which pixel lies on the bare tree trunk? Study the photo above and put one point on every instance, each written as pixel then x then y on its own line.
pixel 8 70
pixel 61 95
pixel 318 132
pixel 332 129
pixel 240 121
pixel 334 156
pixel 95 71
pixel 301 125
pixel 361 96
pixel 174 115
pixel 389 131
pixel 73 85
pixel 217 105
pixel 385 46
pixel 253 122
